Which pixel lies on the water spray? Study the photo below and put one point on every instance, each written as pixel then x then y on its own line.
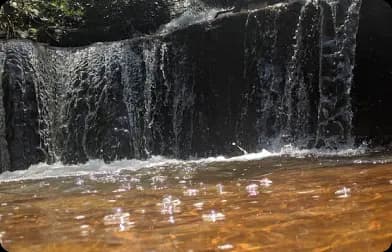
pixel 240 148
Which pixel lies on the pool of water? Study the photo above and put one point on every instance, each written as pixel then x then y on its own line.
pixel 279 203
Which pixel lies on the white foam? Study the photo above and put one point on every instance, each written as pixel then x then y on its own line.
pixel 302 153
pixel 42 170
pixel 96 167
pixel 189 17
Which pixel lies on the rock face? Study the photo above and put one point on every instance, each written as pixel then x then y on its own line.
pixel 4 155
pixel 372 89
pixel 263 79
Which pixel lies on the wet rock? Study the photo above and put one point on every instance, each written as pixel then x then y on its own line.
pixel 260 79
pixel 372 88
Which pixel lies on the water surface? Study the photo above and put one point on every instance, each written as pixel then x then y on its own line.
pixel 274 204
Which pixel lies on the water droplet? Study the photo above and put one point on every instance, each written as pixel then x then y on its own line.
pixel 225 246
pixel 265 182
pixel 119 219
pixel 89 192
pixel 213 216
pixel 252 189
pixel 219 188
pixel 158 179
pixel 79 182
pixel 134 180
pixel 343 192
pixel 199 205
pixel 170 205
pixel 191 192
pixel 119 190
pixel 43 184
pixel 140 211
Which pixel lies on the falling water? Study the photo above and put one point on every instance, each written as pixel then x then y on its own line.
pixel 303 83
pixel 172 94
pixel 4 155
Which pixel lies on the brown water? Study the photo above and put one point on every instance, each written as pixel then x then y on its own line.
pixel 277 204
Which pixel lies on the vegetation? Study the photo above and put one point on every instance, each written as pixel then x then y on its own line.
pixel 78 22
pixel 34 18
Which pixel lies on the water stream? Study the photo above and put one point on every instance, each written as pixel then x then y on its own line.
pixel 301 202
pixel 226 134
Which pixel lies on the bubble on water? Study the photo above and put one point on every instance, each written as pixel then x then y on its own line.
pixel 79 181
pixel 170 205
pixel 89 191
pixel 225 246
pixel 265 182
pixel 390 181
pixel 84 233
pixel 43 184
pixel 80 217
pixel 119 219
pixel 2 233
pixel 199 205
pixel 85 230
pixel 213 216
pixel 140 211
pixel 134 180
pixel 305 192
pixel 4 204
pixel 252 189
pixel 343 192
pixel 171 219
pixel 158 179
pixel 191 192
pixel 219 189
pixel 119 190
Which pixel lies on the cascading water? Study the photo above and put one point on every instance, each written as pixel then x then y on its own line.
pixel 303 84
pixel 4 155
pixel 258 79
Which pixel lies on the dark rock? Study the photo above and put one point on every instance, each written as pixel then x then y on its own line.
pixel 261 79
pixel 372 89
pixel 4 155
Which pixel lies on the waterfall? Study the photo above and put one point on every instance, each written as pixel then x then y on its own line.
pixel 4 155
pixel 303 84
pixel 337 60
pixel 273 76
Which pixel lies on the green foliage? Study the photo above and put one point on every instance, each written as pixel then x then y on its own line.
pixel 81 22
pixel 33 18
